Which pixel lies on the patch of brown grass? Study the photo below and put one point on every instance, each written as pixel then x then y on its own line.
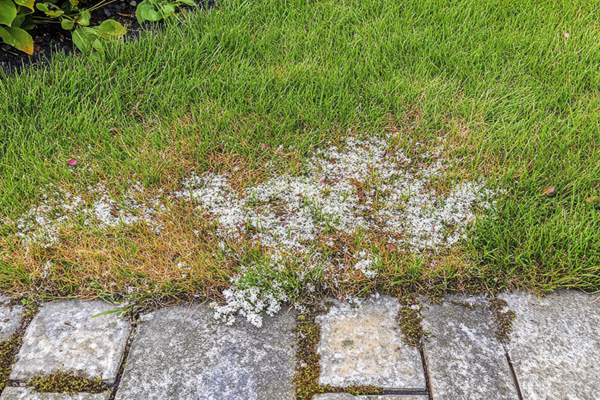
pixel 183 258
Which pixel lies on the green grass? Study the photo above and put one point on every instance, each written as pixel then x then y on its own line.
pixel 521 102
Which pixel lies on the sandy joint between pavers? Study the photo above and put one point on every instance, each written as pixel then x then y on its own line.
pixel 352 203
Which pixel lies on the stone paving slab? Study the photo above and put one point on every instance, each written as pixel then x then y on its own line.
pixel 363 346
pixel 555 345
pixel 22 393
pixel 180 354
pixel 10 319
pixel 465 359
pixel 347 396
pixel 63 337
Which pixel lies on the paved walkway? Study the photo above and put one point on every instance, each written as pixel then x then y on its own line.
pixel 182 353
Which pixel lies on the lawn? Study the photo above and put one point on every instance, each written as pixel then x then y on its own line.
pixel 506 93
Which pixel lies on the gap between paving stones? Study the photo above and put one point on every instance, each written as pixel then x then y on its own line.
pixel 134 323
pixel 11 346
pixel 504 318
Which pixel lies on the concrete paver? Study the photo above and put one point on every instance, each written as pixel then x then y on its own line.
pixel 465 359
pixel 63 337
pixel 183 353
pixel 363 346
pixel 555 345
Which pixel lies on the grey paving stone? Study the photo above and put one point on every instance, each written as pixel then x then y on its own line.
pixel 465 359
pixel 22 393
pixel 63 337
pixel 346 396
pixel 10 319
pixel 181 354
pixel 555 345
pixel 363 346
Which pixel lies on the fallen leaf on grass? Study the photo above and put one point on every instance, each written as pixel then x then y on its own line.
pixel 590 199
pixel 548 191
pixel 72 162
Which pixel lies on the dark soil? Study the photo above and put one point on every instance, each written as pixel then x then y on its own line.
pixel 51 39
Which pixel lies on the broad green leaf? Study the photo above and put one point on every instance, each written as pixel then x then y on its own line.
pixel 8 12
pixel 25 3
pixel 67 24
pixel 83 38
pixel 146 12
pixel 97 44
pixel 74 3
pixel 42 7
pixel 111 29
pixel 28 24
pixel 23 19
pixel 84 18
pixel 54 13
pixel 24 11
pixel 18 21
pixel 17 38
pixel 168 9
pixel 190 3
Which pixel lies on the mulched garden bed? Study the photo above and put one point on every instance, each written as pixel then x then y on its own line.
pixel 50 39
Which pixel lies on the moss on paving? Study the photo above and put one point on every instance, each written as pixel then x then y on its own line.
pixel 62 382
pixel 8 351
pixel 503 319
pixel 10 347
pixel 410 320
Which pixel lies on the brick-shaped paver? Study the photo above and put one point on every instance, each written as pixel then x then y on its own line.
pixel 465 359
pixel 22 393
pixel 363 346
pixel 555 345
pixel 347 396
pixel 183 353
pixel 63 337
pixel 10 318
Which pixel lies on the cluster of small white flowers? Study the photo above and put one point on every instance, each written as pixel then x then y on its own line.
pixel 288 213
pixel 365 186
pixel 59 209
pixel 365 264
pixel 249 303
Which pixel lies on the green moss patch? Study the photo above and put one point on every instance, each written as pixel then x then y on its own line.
pixel 8 350
pixel 503 319
pixel 410 320
pixel 66 383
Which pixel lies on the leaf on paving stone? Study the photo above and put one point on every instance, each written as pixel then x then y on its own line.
pixel 548 191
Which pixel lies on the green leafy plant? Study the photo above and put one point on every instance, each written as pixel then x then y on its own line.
pixel 15 19
pixel 155 10
pixel 19 16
